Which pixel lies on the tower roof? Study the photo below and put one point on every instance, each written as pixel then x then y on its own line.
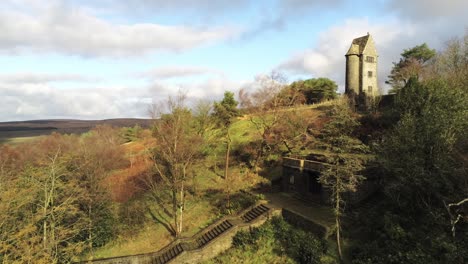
pixel 358 45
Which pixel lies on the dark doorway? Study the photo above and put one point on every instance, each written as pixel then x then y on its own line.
pixel 315 186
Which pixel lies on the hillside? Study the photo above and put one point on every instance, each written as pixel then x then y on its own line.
pixel 21 130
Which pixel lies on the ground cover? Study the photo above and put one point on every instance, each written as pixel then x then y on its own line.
pixel 275 242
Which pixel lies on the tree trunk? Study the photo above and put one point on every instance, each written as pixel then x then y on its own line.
pixel 176 214
pixel 337 216
pixel 44 211
pixel 228 149
pixel 90 228
pixel 226 171
pixel 181 209
pixel 338 238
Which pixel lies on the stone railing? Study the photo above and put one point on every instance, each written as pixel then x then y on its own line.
pixel 302 164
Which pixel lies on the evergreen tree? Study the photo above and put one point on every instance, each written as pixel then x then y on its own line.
pixel 345 163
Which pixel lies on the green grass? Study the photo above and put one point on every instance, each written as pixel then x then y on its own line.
pixel 276 241
pixel 243 131
pixel 18 140
pixel 205 204
pixel 266 253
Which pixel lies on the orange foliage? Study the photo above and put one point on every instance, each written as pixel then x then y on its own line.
pixel 125 183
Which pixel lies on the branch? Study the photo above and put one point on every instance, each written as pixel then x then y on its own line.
pixel 459 203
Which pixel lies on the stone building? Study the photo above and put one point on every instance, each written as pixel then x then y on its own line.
pixel 361 69
pixel 301 176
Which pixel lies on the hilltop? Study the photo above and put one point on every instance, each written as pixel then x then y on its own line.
pixel 14 131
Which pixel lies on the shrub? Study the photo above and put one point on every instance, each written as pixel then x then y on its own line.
pixel 243 239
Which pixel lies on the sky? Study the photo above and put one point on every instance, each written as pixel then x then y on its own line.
pixel 62 59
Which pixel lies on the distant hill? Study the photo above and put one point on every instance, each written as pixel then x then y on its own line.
pixel 32 128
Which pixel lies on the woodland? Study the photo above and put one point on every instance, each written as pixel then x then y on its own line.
pixel 119 191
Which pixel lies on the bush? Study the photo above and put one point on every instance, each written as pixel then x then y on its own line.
pixel 302 246
pixel 243 239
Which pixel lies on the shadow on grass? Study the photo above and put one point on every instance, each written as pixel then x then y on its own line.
pixel 160 213
pixel 238 201
pixel 161 220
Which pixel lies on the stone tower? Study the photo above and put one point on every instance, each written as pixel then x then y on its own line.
pixel 361 68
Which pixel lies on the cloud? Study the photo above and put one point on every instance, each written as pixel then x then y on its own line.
pixel 36 100
pixel 200 7
pixel 278 14
pixel 211 88
pixel 37 78
pixel 73 30
pixel 429 9
pixel 45 101
pixel 327 59
pixel 304 6
pixel 169 72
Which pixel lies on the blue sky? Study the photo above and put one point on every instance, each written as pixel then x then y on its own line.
pixel 112 58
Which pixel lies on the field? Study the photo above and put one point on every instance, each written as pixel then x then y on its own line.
pixel 23 131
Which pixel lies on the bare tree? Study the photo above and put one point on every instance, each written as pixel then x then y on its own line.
pixel 267 109
pixel 177 147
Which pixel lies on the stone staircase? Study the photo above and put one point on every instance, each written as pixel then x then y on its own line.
pixel 254 213
pixel 213 233
pixel 199 242
pixel 168 254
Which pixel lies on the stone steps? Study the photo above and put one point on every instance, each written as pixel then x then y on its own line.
pixel 168 254
pixel 213 233
pixel 254 213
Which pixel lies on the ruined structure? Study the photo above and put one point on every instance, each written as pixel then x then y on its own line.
pixel 361 69
pixel 301 176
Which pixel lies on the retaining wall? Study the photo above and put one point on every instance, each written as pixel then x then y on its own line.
pixel 188 250
pixel 202 246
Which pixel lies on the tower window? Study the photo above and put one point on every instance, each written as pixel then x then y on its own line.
pixel 369 74
pixel 369 59
pixel 369 89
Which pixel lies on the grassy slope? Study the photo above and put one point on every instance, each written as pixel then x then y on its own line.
pixel 202 209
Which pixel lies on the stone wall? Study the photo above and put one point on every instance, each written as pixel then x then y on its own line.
pixel 191 252
pixel 298 220
pixel 297 179
pixel 221 243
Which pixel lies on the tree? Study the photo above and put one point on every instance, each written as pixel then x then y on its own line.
pixel 342 173
pixel 315 90
pixel 224 112
pixel 411 65
pixel 418 154
pixel 452 63
pixel 93 158
pixel 177 148
pixel 422 159
pixel 44 219
pixel 266 109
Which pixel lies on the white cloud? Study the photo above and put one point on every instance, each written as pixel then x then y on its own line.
pixel 73 30
pixel 25 101
pixel 36 78
pixel 211 88
pixel 202 7
pixel 169 72
pixel 327 58
pixel 42 101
